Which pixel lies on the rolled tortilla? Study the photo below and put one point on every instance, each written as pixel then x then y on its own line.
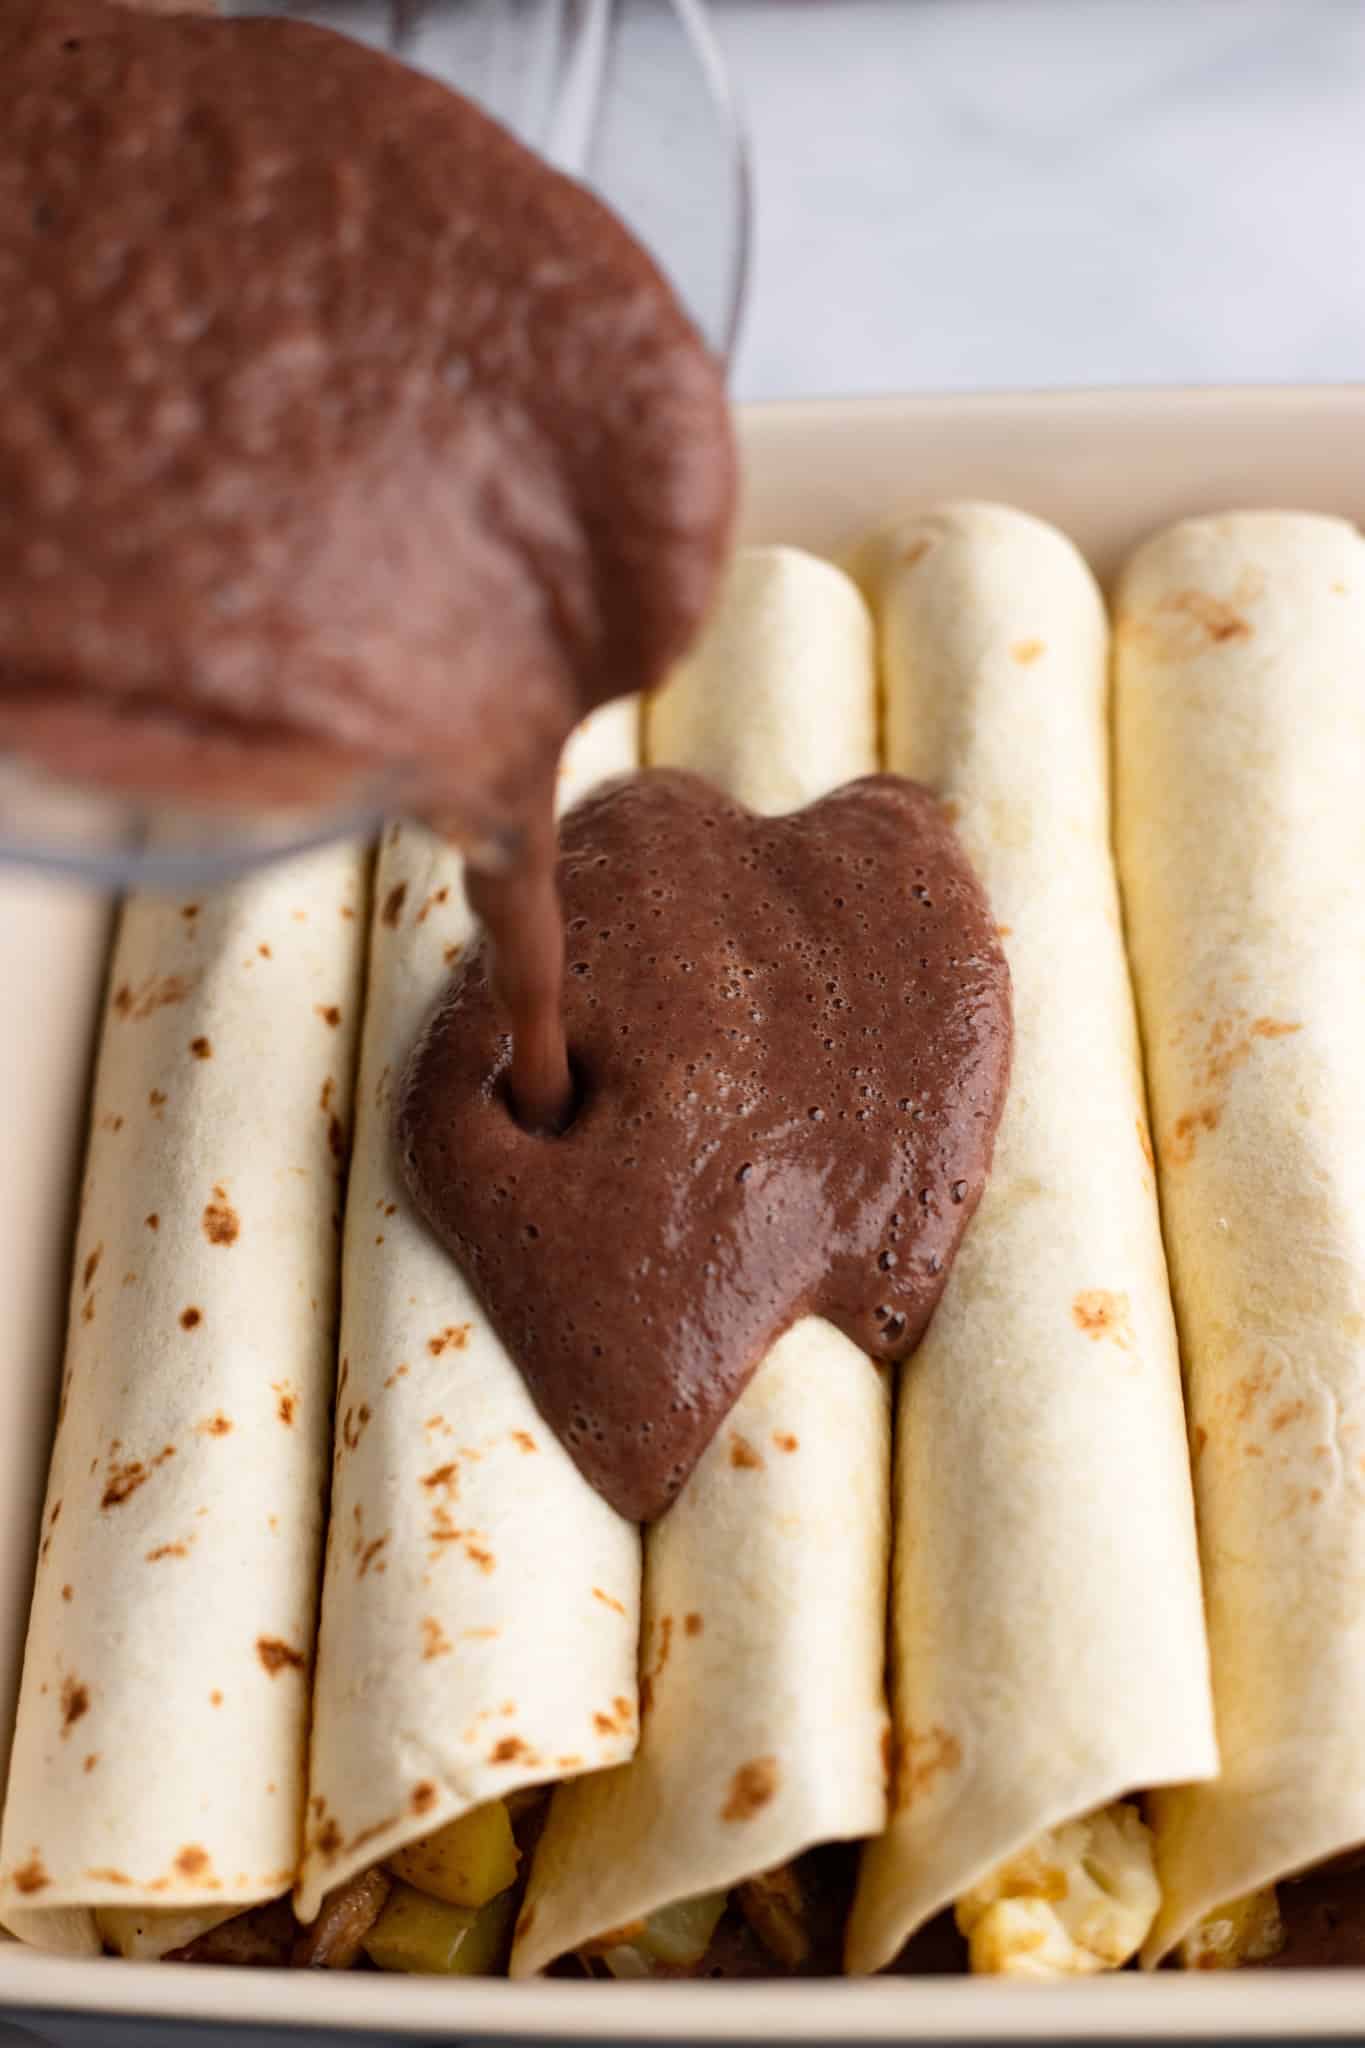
pixel 764 1610
pixel 1241 733
pixel 159 1758
pixel 480 1610
pixel 1048 1649
pixel 54 946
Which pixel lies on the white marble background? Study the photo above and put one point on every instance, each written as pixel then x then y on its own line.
pixel 992 193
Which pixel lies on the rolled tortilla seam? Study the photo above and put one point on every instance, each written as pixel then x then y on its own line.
pixel 1048 1650
pixel 1241 729
pixel 480 1611
pixel 160 1753
pixel 763 1712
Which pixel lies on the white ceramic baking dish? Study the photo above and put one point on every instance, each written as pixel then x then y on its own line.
pixel 1107 467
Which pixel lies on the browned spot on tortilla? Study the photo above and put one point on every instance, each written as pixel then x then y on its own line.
pixel 91 1761
pixel 451 955
pixel 277 1656
pixel 1027 651
pixel 665 1645
pixel 264 951
pixel 607 1600
pixel 168 1550
pixel 1214 615
pixel 915 552
pixel 104 1875
pixel 1228 1047
pixel 1144 1138
pixel 400 1372
pixel 193 1861
pixel 152 1221
pixel 92 1265
pixel 123 1480
pixel 158 992
pixel 67 1592
pixel 693 1624
pixel 423 1797
pixel 75 1704
pixel 190 1318
pixel 1179 1147
pixel 479 1635
pixel 1199 1440
pixel 785 1441
pixel 1004 931
pixel 156 1101
pixel 752 1786
pixel 922 1758
pixel 220 1221
pixel 1249 1390
pixel 1289 1411
pixel 435 1641
pixel 88 1309
pixel 31 1876
pixel 619 1721
pixel 1100 1312
pixel 743 1455
pixel 445 1476
pixel 329 1840
pixel 393 905
pixel 353 1425
pixel 436 896
pixel 286 1405
pixel 476 1554
pixel 216 1424
pixel 524 1441
pixel 329 1014
pixel 507 1750
pixel 336 1138
pixel 215 1698
pixel 202 1048
pixel 368 1552
pixel 328 1092
pixel 951 809
pixel 454 1337
pixel 346 910
pixel 189 910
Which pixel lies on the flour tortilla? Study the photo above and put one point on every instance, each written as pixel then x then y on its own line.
pixel 1241 733
pixel 1048 1650
pixel 160 1751
pixel 481 1604
pixel 54 945
pixel 763 1642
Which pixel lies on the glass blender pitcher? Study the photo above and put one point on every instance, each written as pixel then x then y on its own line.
pixel 631 97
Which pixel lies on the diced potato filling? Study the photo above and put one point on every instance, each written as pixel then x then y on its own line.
pixel 418 1933
pixel 677 1936
pixel 1080 1899
pixel 1245 1930
pixel 466 1863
